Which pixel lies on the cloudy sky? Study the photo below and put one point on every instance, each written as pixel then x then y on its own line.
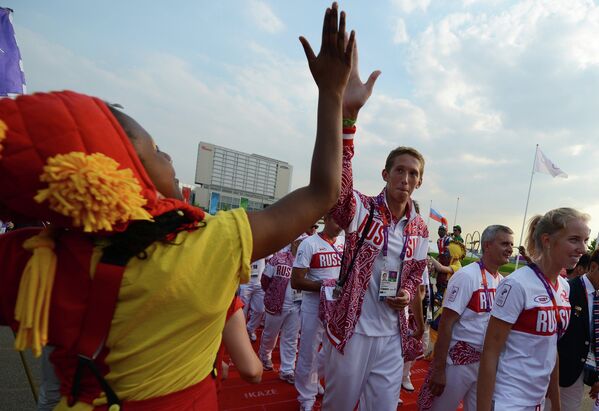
pixel 473 84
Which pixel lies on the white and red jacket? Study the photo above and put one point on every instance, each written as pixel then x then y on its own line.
pixel 351 213
pixel 275 281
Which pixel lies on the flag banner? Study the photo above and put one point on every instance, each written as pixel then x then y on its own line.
pixel 544 165
pixel 12 78
pixel 435 215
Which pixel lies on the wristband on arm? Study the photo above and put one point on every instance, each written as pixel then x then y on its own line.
pixel 349 128
pixel 348 122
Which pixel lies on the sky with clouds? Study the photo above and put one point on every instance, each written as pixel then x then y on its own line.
pixel 473 84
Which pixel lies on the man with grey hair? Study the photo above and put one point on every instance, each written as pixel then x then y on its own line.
pixel 466 310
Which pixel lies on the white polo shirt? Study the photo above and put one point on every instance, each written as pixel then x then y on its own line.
pixel 466 296
pixel 530 352
pixel 323 260
pixel 377 319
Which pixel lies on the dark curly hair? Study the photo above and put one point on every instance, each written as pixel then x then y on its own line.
pixel 141 234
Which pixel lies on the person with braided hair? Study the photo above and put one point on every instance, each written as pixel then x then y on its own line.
pixel 130 284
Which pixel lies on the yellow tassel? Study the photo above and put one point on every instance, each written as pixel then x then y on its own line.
pixel 3 129
pixel 32 309
pixel 92 190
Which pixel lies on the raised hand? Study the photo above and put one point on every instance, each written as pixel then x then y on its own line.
pixel 332 66
pixel 283 221
pixel 357 93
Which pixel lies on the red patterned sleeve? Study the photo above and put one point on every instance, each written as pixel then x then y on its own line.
pixel 343 212
pixel 268 273
pixel 265 282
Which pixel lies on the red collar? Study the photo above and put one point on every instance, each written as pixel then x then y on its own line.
pixel 326 238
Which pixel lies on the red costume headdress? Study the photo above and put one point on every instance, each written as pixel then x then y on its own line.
pixel 66 159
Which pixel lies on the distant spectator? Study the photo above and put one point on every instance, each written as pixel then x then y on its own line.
pixel 443 240
pixel 457 234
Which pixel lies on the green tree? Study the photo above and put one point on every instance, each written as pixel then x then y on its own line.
pixel 592 245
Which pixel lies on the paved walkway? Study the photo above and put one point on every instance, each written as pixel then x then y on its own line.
pixel 15 390
pixel 16 393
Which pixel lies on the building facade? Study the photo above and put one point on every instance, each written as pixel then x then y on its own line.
pixel 227 179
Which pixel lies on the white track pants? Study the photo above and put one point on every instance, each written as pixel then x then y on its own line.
pixel 306 372
pixel 571 397
pixel 287 324
pixel 252 296
pixel 460 385
pixel 370 371
pixel 511 407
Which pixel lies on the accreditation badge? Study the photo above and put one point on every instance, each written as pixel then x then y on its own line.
pixel 388 284
pixel 297 295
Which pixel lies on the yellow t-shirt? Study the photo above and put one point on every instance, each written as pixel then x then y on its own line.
pixel 171 310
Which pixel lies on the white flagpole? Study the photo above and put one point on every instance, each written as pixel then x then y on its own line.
pixel 526 208
pixel 429 213
pixel 455 217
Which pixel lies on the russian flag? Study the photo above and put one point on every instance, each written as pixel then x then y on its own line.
pixel 435 215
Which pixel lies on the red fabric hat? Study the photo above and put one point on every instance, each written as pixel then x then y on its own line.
pixel 38 129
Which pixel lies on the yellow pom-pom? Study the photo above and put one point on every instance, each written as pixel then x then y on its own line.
pixel 3 128
pixel 92 190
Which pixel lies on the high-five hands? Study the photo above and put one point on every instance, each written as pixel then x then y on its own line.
pixel 357 93
pixel 332 66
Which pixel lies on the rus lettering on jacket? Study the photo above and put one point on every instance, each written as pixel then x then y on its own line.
pixel 283 271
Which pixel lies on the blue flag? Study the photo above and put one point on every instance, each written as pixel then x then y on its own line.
pixel 12 78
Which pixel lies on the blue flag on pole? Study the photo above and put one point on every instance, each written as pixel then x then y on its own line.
pixel 12 78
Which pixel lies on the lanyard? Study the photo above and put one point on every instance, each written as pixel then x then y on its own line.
pixel 485 286
pixel 331 243
pixel 383 214
pixel 543 279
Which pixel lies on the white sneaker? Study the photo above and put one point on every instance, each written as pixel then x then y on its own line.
pixel 320 389
pixel 253 336
pixel 406 384
pixel 399 402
